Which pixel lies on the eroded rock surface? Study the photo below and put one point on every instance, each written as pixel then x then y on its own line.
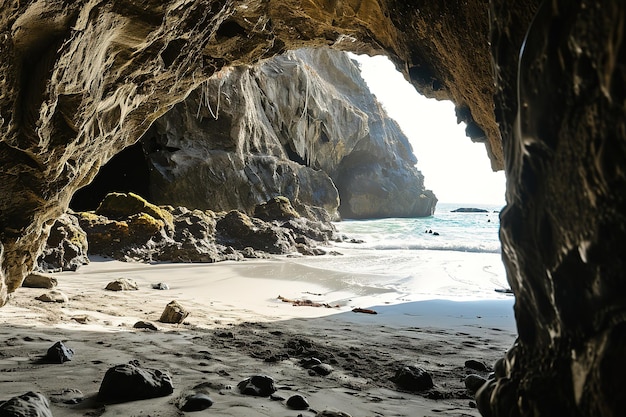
pixel 178 234
pixel 303 125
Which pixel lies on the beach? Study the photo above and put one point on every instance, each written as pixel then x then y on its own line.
pixel 238 327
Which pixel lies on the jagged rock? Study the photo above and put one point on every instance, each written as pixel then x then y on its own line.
pixel 297 402
pixel 39 280
pixel 122 284
pixel 66 248
pixel 58 353
pixel 411 378
pixel 54 296
pixel 31 404
pixel 174 313
pixel 277 208
pixel 238 230
pixel 258 386
pixel 130 382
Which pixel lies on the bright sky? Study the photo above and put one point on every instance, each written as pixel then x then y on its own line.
pixel 455 168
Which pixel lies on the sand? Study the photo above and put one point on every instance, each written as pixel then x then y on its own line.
pixel 238 328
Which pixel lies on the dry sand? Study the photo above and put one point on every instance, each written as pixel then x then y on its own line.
pixel 238 328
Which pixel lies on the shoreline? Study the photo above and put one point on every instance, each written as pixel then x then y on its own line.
pixel 238 322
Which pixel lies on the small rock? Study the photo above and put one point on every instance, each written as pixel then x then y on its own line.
pixel 195 402
pixel 67 396
pixel 297 402
pixel 144 325
pixel 174 313
pixel 332 413
pixel 473 382
pixel 310 362
pixel 39 280
pixel 275 397
pixel 322 369
pixel 160 286
pixel 258 386
pixel 31 404
pixel 129 382
pixel 412 378
pixel 59 353
pixel 476 365
pixel 122 284
pixel 54 296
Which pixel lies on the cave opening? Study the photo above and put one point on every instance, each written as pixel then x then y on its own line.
pixel 127 171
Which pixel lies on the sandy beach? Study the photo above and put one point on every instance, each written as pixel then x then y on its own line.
pixel 238 328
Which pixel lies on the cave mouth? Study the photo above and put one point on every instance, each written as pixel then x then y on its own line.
pixel 127 171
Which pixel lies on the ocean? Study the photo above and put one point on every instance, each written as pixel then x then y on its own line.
pixel 452 256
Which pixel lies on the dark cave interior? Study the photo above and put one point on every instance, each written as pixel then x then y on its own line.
pixel 127 171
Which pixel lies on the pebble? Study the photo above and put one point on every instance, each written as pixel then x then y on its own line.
pixel 332 413
pixel 67 396
pixel 322 369
pixel 160 286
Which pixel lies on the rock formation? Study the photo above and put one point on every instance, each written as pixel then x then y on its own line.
pixel 297 125
pixel 79 81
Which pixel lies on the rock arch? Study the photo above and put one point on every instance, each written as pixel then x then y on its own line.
pixel 79 81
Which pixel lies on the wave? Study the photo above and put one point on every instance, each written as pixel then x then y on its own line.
pixel 449 246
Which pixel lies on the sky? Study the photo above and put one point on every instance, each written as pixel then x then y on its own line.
pixel 456 169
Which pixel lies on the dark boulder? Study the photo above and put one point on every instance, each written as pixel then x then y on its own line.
pixel 413 379
pixel 31 404
pixel 130 382
pixel 258 386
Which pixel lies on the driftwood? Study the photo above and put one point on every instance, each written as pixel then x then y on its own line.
pixel 306 303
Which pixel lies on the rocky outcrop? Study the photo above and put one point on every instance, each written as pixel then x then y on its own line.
pixel 134 229
pixel 303 125
pixel 79 81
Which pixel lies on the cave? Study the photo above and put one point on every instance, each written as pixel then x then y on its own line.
pixel 544 85
pixel 128 171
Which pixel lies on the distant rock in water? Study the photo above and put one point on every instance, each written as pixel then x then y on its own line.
pixel 469 210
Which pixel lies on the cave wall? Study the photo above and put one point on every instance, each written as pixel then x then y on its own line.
pixel 79 81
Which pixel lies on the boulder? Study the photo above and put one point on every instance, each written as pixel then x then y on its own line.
pixel 117 206
pixel 39 280
pixel 66 247
pixel 31 404
pixel 297 402
pixel 174 313
pixel 413 379
pixel 130 382
pixel 277 208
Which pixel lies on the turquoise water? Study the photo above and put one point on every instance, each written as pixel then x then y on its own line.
pixel 398 256
pixel 465 232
